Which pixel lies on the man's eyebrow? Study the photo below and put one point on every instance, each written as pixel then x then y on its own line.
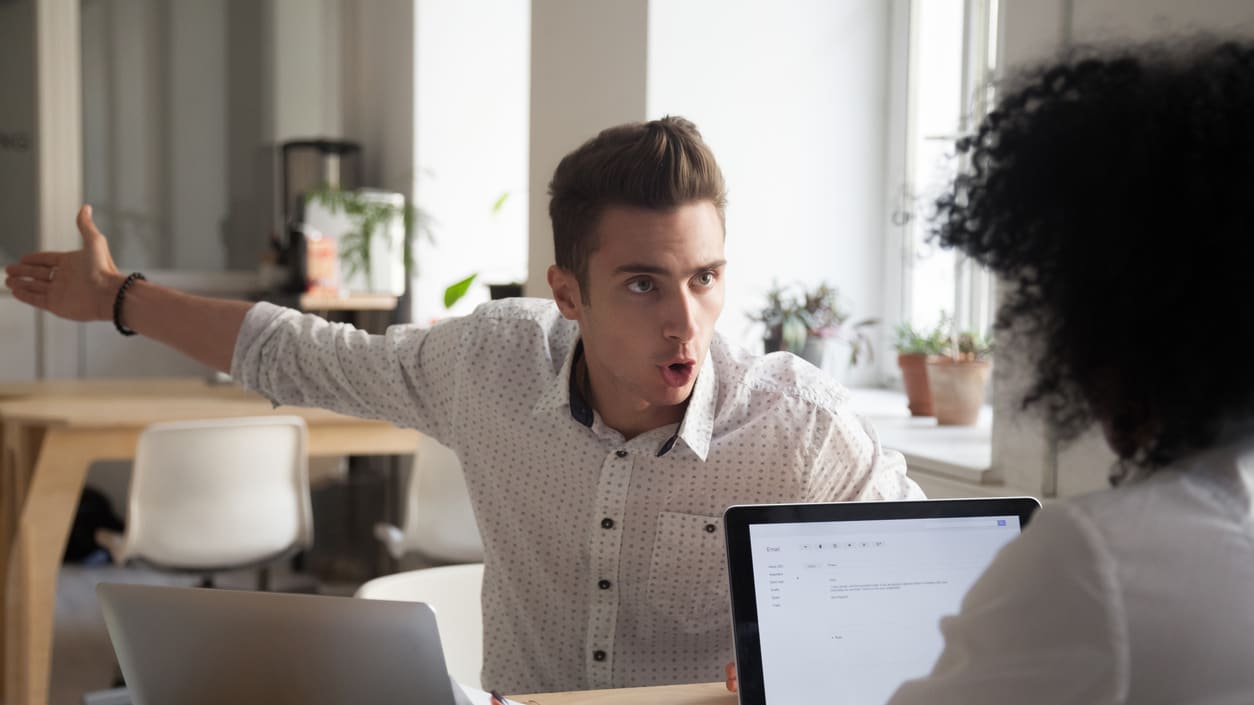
pixel 641 268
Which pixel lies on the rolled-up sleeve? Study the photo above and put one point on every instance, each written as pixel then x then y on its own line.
pixel 406 376
pixel 852 465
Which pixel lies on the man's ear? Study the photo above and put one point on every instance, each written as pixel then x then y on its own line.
pixel 566 292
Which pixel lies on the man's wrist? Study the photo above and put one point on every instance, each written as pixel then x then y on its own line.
pixel 107 293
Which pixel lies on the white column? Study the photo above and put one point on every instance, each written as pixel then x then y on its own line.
pixel 588 71
pixel 59 150
pixel 378 89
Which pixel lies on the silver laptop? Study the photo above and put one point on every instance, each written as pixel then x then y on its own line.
pixel 843 601
pixel 197 646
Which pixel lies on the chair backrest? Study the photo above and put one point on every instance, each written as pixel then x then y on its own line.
pixel 453 591
pixel 220 493
pixel 439 522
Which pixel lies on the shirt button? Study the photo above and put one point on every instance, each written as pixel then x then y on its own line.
pixel 709 528
pixel 607 523
pixel 621 453
pixel 604 584
pixel 598 655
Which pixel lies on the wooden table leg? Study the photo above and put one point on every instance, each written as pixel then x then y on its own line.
pixel 17 461
pixel 10 506
pixel 43 527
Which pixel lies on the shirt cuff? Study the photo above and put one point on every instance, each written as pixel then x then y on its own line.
pixel 245 360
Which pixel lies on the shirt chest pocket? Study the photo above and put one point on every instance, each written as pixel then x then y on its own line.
pixel 688 573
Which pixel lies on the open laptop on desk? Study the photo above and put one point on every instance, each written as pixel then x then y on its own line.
pixel 842 602
pixel 195 646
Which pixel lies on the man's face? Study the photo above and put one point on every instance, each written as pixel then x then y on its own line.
pixel 654 291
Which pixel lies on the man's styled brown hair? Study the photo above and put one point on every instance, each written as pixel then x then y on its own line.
pixel 661 164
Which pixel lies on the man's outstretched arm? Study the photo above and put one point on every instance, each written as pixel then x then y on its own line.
pixel 82 286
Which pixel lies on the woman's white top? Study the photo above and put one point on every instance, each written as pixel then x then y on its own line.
pixel 1141 594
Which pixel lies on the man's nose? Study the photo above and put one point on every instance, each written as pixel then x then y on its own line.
pixel 680 323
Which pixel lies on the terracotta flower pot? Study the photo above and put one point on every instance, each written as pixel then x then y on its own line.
pixel 914 377
pixel 957 389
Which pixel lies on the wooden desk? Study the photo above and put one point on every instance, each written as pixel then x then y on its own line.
pixel 53 432
pixel 694 694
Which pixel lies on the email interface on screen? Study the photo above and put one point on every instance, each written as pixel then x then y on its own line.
pixel 849 610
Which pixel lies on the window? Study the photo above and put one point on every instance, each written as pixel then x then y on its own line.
pixel 951 50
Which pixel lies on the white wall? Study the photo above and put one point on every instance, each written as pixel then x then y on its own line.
pixel 472 113
pixel 1034 30
pixel 305 43
pixel 197 135
pixel 588 72
pixel 1098 20
pixel 792 96
pixel 378 89
pixel 126 167
pixel 183 106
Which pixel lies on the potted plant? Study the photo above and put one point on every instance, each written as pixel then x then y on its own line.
pixel 376 249
pixel 913 350
pixel 958 378
pixel 806 322
pixel 781 316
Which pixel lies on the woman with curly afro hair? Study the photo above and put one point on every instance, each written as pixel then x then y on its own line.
pixel 1114 192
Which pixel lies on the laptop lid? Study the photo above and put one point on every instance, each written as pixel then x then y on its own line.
pixel 843 601
pixel 202 646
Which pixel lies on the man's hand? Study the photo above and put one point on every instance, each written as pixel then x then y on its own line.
pixel 82 285
pixel 78 285
pixel 731 677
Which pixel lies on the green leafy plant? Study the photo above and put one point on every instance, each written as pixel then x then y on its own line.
pixel 912 341
pixel 793 314
pixel 367 215
pixel 785 326
pixel 456 291
pixel 972 346
pixel 968 346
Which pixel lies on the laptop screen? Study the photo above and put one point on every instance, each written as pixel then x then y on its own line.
pixel 847 610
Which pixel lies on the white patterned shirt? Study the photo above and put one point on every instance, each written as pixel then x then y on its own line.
pixel 1138 594
pixel 604 558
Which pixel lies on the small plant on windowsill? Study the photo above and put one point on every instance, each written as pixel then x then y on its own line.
pixel 957 379
pixel 782 319
pixel 827 321
pixel 806 322
pixel 914 347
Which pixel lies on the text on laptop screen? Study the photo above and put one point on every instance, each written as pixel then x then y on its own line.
pixel 852 609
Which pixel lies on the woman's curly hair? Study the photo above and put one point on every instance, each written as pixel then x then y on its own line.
pixel 1114 191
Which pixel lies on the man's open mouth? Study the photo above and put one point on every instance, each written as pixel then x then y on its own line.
pixel 678 374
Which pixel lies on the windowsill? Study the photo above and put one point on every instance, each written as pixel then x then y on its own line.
pixel 957 452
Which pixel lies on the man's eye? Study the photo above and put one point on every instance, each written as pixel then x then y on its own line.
pixel 640 286
pixel 706 278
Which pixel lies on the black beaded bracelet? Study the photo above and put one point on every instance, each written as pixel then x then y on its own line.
pixel 117 303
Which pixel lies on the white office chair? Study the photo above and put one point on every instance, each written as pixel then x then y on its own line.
pixel 438 522
pixel 216 495
pixel 453 592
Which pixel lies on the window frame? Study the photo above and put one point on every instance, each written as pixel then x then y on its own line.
pixel 974 297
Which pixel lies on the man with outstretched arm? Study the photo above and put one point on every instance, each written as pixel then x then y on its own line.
pixel 602 434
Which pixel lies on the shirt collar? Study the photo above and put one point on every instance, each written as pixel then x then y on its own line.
pixel 695 429
pixel 580 409
pixel 561 389
pixel 698 424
